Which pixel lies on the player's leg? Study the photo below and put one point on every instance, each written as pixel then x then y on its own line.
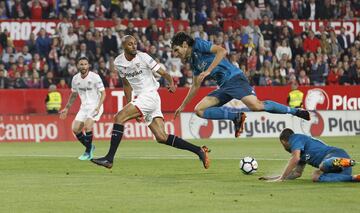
pixel 88 126
pixel 254 104
pixel 210 107
pixel 158 129
pixel 130 111
pixel 336 167
pixel 77 128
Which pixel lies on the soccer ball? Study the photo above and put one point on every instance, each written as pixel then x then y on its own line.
pixel 248 165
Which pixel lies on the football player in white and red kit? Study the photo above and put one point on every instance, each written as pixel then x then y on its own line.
pixel 89 86
pixel 137 70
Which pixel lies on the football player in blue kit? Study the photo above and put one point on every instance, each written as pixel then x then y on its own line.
pixel 334 164
pixel 207 59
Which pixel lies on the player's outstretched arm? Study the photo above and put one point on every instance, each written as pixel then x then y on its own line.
pixel 72 98
pixel 293 162
pixel 193 89
pixel 168 78
pixel 220 53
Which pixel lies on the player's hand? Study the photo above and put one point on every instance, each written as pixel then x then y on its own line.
pixel 203 75
pixel 171 88
pixel 96 111
pixel 139 119
pixel 63 113
pixel 276 180
pixel 178 111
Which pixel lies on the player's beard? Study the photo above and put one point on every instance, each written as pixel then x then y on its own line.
pixel 84 71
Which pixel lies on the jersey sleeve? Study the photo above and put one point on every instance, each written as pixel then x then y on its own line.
pixel 297 144
pixel 202 45
pixel 98 83
pixel 73 85
pixel 151 63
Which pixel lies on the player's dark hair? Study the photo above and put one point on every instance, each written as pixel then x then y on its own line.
pixel 82 58
pixel 286 133
pixel 179 39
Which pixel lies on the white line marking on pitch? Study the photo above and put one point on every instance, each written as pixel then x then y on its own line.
pixel 154 157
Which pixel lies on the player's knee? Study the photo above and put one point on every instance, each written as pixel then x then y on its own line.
pixel 119 119
pixel 161 138
pixel 256 106
pixel 199 112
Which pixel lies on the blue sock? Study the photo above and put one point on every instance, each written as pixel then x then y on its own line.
pixel 335 177
pixel 219 113
pixel 274 107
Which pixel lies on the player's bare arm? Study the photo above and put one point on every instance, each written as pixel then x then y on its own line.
pixel 220 53
pixel 72 98
pixel 295 173
pixel 193 89
pixel 169 79
pixel 127 89
pixel 102 99
pixel 293 162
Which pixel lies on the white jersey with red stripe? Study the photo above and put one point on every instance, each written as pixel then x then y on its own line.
pixel 139 72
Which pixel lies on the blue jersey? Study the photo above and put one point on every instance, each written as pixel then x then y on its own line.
pixel 201 58
pixel 313 151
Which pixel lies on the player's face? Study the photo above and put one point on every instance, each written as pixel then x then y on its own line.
pixel 130 46
pixel 181 51
pixel 83 66
pixel 285 145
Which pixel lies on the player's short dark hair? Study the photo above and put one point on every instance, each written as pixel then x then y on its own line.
pixel 82 58
pixel 179 39
pixel 285 134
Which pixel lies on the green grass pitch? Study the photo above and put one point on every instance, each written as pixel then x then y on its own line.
pixel 150 177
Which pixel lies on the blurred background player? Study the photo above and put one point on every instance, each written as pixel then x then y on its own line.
pixel 137 70
pixel 89 86
pixel 295 98
pixel 209 60
pixel 334 164
pixel 53 100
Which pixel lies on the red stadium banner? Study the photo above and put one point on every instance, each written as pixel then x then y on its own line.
pixel 352 26
pixel 32 101
pixel 20 30
pixel 39 128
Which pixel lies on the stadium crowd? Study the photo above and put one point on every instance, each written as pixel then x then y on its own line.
pixel 269 54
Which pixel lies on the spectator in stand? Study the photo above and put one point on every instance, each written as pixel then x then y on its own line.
pixel 25 54
pixel 90 43
pixel 83 52
pixel 113 80
pixel 184 11
pixel 333 77
pixel 18 81
pixel 70 38
pixel 252 12
pixel 48 80
pixel 303 79
pixel 4 81
pixel 175 73
pixel 19 10
pixel 311 10
pixel 311 43
pixel 110 46
pixel 354 72
pixel 344 77
pixel 37 8
pixel 343 40
pixel 228 10
pixel 34 81
pixel 319 71
pixel 43 43
pixel 267 29
pixel 97 10
pixel 283 50
pixel 6 55
pixel 284 10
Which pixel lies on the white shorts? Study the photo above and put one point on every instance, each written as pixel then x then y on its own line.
pixel 149 105
pixel 88 112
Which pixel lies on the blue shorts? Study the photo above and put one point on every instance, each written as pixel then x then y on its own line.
pixel 237 87
pixel 339 153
